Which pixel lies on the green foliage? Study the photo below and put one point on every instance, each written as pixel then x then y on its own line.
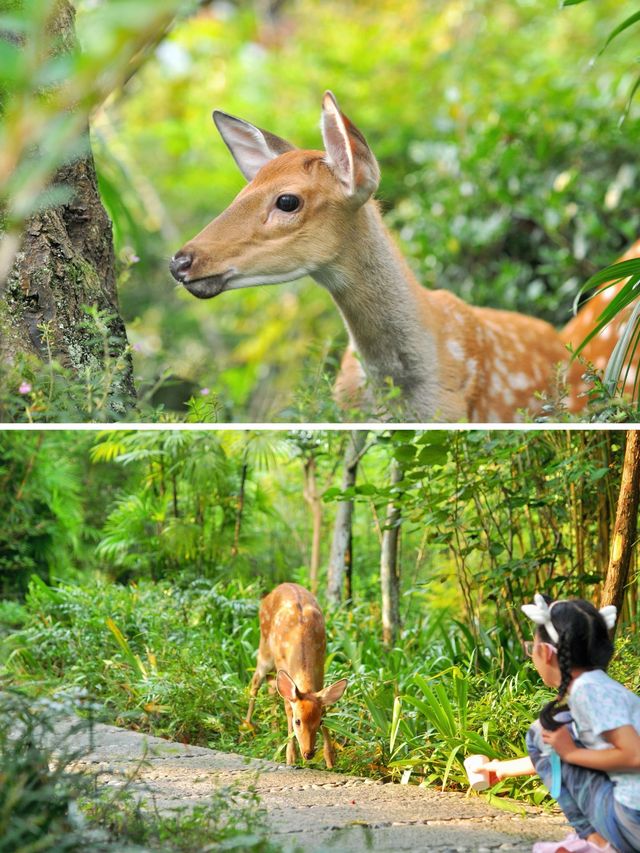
pixel 49 88
pixel 515 512
pixel 183 501
pixel 41 508
pixel 92 389
pixel 168 660
pixel 621 28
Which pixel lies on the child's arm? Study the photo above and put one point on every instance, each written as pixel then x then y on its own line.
pixel 624 754
pixel 497 770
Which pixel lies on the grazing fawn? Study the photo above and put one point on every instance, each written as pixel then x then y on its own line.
pixel 293 644
pixel 312 213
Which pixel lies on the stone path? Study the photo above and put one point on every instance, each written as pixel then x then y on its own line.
pixel 320 810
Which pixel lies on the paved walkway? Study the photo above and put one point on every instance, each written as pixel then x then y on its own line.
pixel 321 810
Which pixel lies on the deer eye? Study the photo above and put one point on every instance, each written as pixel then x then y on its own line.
pixel 297 722
pixel 287 202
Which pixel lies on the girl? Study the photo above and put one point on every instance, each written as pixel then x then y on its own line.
pixel 596 734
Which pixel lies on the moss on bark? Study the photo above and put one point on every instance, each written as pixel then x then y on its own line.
pixel 66 263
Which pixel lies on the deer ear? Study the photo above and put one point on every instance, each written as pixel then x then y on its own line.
pixel 250 146
pixel 332 693
pixel 348 152
pixel 286 686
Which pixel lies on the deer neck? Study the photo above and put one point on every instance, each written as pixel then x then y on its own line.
pixel 382 305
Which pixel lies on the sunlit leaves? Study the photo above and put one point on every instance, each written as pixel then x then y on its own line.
pixel 49 88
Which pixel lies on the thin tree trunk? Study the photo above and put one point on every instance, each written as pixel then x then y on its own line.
pixel 341 546
pixel 66 262
pixel 389 566
pixel 312 497
pixel 239 509
pixel 626 525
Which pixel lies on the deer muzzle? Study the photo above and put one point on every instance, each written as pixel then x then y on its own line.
pixel 204 287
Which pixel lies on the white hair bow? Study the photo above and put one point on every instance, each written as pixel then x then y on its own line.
pixel 540 613
pixel 609 614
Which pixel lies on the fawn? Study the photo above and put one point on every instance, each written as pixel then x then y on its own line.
pixel 312 213
pixel 293 643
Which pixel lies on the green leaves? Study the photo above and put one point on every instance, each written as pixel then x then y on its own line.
pixel 622 357
pixel 39 56
pixel 632 19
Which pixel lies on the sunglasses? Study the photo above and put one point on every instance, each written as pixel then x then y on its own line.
pixel 530 645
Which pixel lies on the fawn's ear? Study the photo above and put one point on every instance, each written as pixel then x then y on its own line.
pixel 348 152
pixel 332 693
pixel 286 686
pixel 250 146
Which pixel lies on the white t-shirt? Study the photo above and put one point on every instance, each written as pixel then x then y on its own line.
pixel 599 704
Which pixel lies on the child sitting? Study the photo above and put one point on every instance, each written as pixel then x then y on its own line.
pixel 596 734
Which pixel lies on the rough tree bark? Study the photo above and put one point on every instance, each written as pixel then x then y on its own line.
pixel 66 261
pixel 389 568
pixel 341 557
pixel 626 525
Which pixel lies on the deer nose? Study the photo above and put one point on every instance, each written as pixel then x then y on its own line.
pixel 308 755
pixel 179 264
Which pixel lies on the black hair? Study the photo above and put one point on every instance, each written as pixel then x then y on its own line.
pixel 583 643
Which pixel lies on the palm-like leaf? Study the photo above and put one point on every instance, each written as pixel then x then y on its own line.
pixel 619 367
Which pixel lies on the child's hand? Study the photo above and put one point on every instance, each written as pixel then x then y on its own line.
pixel 560 740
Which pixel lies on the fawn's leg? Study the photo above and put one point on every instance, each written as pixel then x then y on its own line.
pixel 291 743
pixel 327 748
pixel 263 665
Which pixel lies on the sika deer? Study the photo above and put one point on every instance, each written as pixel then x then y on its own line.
pixel 293 643
pixel 312 213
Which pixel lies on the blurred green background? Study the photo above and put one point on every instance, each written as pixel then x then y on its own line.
pixel 507 174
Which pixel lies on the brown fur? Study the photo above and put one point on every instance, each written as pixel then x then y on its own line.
pixel 293 643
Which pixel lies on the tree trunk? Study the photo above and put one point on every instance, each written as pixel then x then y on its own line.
pixel 239 510
pixel 341 555
pixel 312 497
pixel 389 568
pixel 626 524
pixel 66 261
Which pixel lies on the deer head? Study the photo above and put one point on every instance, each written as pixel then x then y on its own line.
pixel 294 215
pixel 307 709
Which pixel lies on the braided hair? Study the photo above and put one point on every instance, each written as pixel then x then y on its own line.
pixel 583 643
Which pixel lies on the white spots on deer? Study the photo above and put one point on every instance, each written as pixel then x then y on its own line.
pixel 508 397
pixel 589 315
pixel 496 387
pixel 501 367
pixel 520 381
pixel 455 350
